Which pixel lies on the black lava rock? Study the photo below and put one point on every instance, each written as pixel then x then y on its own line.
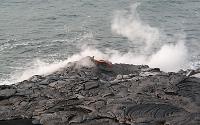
pixel 101 93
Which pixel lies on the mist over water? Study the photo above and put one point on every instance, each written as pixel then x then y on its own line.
pixel 154 47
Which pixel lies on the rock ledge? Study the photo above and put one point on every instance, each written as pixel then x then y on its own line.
pixel 101 93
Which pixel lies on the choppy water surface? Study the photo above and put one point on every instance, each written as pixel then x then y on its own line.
pixel 51 30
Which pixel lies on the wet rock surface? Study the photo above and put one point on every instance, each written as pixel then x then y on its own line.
pixel 98 94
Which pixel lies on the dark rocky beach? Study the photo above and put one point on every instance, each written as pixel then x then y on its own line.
pixel 102 93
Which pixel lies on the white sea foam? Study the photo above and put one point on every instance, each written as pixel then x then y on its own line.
pixel 170 57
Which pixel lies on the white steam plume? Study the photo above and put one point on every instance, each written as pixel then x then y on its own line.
pixel 129 25
pixel 170 57
pixel 42 68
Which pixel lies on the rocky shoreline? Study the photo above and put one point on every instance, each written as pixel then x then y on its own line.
pixel 102 93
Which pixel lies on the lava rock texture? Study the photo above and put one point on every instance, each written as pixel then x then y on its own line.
pixel 98 93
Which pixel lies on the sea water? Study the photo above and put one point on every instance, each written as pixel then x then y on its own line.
pixel 41 36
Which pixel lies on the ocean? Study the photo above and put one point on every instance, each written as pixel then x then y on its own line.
pixel 41 36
